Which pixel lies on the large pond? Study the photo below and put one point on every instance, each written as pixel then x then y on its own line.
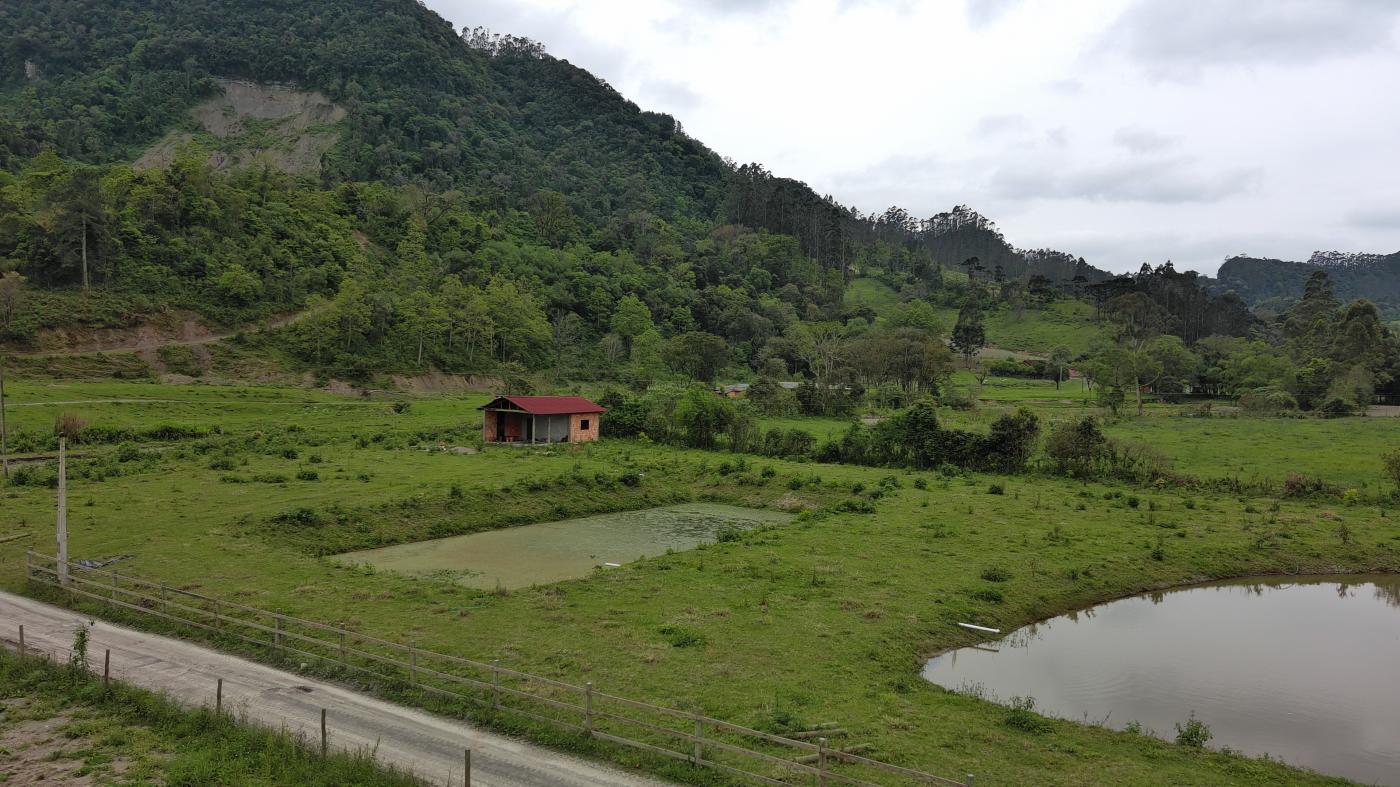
pixel 1306 670
pixel 552 551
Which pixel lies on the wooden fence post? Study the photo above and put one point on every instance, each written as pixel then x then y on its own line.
pixel 969 780
pixel 114 586
pixel 21 639
pixel 324 738
pixel 821 762
pixel 61 529
pixel 697 751
pixel 106 669
pixel 218 616
pixel 219 696
pixel 467 768
pixel 495 678
pixel 28 564
pixel 164 608
pixel 413 662
pixel 277 634
pixel 343 662
pixel 588 709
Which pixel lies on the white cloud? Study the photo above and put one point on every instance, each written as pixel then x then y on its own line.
pixel 1123 130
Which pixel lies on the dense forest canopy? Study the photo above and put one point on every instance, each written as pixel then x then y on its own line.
pixel 487 206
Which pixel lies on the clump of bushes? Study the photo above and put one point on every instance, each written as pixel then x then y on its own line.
pixel 1194 734
pixel 1021 715
pixel 682 636
pixel 996 574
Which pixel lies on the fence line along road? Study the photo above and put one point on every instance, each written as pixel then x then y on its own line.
pixel 700 740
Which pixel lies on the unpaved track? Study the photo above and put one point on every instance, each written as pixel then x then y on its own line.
pixel 429 746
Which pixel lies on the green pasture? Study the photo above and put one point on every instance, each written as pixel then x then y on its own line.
pixel 824 619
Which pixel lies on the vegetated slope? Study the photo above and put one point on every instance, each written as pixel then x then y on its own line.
pixel 102 79
pixel 1375 277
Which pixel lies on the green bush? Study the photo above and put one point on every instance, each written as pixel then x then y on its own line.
pixel 682 637
pixel 1194 734
pixel 1021 715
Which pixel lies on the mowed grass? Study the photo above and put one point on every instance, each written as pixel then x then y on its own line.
pixel 826 619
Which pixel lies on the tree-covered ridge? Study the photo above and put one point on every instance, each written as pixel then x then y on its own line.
pixel 1275 284
pixel 98 79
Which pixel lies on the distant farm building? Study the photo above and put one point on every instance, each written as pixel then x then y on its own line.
pixel 540 419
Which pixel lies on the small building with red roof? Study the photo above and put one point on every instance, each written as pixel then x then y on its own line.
pixel 540 419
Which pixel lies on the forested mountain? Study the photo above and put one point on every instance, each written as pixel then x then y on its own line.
pixel 1259 281
pixel 476 205
pixel 100 79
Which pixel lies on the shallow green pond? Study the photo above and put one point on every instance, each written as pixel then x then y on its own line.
pixel 553 551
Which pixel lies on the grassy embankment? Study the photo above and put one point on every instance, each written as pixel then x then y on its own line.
pixel 60 726
pixel 1036 331
pixel 826 619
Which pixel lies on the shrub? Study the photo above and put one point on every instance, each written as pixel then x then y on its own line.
pixel 1133 502
pixel 308 475
pixel 682 637
pixel 1077 448
pixel 996 489
pixel 996 574
pixel 989 595
pixel 920 483
pixel 1022 716
pixel 1391 461
pixel 630 478
pixel 1299 485
pixel 304 517
pixel 290 453
pixel 128 452
pixel 401 407
pixel 222 463
pixel 69 425
pixel 1194 734
pixel 270 478
pixel 315 459
pixel 728 533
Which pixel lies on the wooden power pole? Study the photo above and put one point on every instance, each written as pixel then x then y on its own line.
pixel 63 511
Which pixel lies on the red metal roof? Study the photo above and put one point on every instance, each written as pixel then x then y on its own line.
pixel 545 405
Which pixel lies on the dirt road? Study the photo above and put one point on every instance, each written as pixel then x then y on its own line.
pixel 429 746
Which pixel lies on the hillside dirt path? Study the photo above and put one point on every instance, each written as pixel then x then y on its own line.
pixel 148 339
pixel 429 746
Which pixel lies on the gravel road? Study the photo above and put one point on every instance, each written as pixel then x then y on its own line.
pixel 429 746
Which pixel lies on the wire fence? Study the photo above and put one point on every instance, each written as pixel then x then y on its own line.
pixel 702 741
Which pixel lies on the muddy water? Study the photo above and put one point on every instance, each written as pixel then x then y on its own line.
pixel 553 551
pixel 1304 670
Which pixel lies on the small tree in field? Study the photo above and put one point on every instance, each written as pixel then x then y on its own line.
pixel 1391 460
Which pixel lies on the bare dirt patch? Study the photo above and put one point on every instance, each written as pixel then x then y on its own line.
pixel 251 123
pixel 44 751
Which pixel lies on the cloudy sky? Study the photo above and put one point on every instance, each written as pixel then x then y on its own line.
pixel 1121 130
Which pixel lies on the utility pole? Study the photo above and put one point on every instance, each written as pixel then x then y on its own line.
pixel 63 511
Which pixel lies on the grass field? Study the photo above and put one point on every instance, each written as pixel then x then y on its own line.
pixel 60 726
pixel 824 619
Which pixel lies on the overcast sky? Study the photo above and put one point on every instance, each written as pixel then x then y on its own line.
pixel 1125 131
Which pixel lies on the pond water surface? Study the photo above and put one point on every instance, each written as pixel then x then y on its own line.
pixel 1306 670
pixel 552 551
